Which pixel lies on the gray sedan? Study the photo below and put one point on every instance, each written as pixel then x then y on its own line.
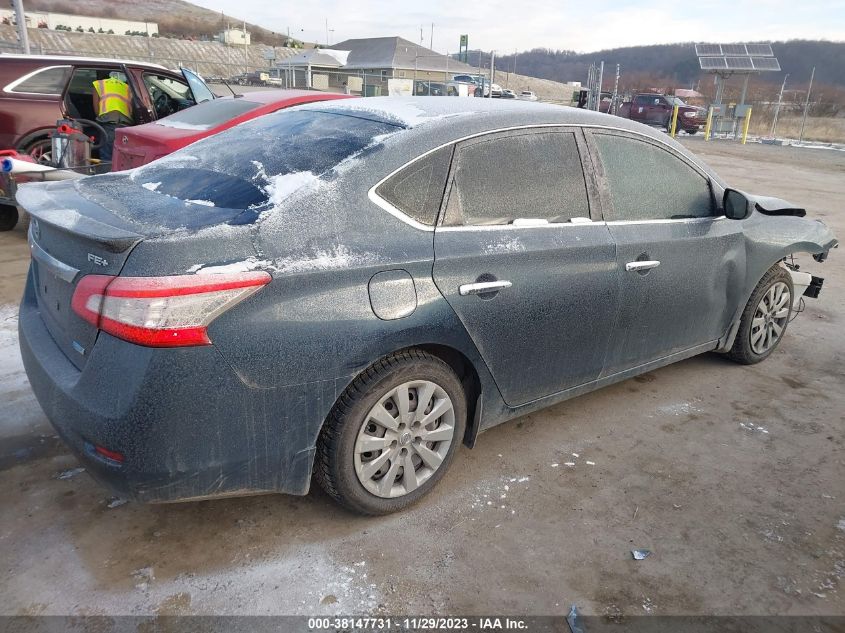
pixel 351 290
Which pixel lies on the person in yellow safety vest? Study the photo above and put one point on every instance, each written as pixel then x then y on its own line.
pixel 113 105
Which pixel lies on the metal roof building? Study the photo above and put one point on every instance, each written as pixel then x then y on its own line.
pixel 397 53
pixel 372 66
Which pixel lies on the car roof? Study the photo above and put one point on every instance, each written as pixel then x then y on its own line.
pixel 471 114
pixel 71 59
pixel 431 122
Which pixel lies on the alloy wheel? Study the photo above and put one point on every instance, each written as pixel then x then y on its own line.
pixel 404 438
pixel 770 318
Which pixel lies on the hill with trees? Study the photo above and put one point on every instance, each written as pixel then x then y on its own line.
pixel 175 18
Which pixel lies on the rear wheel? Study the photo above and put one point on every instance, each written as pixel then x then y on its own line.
pixel 392 434
pixel 41 150
pixel 8 217
pixel 765 318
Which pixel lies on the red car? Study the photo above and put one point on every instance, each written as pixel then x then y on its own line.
pixel 141 144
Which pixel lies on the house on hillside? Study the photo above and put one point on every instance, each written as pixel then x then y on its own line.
pixel 371 66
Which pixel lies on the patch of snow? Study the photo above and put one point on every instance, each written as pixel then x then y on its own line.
pixel 181 125
pixel 260 172
pixel 570 464
pixel 206 203
pixel 512 245
pixel 748 426
pixel 338 257
pixel 152 186
pixel 280 187
pixel 680 408
pixel 248 264
pixel 841 525
pixel 591 463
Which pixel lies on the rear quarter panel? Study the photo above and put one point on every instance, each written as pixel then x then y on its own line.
pixel 24 118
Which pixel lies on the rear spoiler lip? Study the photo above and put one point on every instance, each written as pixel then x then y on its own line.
pixel 61 206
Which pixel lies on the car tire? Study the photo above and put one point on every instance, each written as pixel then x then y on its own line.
pixel 758 334
pixel 345 467
pixel 8 217
pixel 40 149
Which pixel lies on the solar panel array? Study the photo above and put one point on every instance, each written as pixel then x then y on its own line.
pixel 734 50
pixel 713 63
pixel 708 49
pixel 760 50
pixel 736 57
pixel 765 63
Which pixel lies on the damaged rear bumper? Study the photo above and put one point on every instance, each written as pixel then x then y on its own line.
pixel 186 424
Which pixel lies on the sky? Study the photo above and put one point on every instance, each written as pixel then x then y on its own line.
pixel 511 25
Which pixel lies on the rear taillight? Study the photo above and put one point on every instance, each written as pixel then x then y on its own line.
pixel 162 311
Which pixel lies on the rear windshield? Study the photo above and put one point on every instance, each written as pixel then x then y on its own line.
pixel 209 114
pixel 261 161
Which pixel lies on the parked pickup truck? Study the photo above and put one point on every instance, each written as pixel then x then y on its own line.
pixel 656 109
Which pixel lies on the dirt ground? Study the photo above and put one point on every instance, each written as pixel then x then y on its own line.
pixel 733 476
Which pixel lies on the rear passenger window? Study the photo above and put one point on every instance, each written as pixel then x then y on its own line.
pixel 536 176
pixel 649 183
pixel 49 81
pixel 417 190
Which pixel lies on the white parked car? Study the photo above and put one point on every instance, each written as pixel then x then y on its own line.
pixel 527 95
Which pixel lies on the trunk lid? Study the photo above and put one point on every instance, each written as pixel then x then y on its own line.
pixel 93 225
pixel 69 238
pixel 134 152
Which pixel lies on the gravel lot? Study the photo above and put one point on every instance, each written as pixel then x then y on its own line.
pixel 733 476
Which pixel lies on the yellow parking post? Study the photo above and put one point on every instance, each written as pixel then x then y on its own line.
pixel 745 125
pixel 709 123
pixel 674 121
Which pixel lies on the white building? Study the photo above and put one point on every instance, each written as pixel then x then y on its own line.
pixel 234 37
pixel 45 20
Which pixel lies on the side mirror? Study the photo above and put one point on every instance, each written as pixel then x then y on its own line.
pixel 735 205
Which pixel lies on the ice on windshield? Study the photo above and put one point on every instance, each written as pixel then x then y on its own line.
pixel 263 161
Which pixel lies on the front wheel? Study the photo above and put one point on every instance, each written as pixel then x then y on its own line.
pixel 392 434
pixel 764 320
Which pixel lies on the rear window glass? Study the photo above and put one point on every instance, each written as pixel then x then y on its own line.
pixel 209 114
pixel 417 190
pixel 49 81
pixel 261 161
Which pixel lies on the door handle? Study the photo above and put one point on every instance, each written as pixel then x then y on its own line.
pixel 638 265
pixel 482 287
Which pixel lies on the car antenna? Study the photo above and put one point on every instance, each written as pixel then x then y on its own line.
pixel 234 94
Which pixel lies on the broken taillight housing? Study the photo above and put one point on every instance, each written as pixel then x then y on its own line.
pixel 172 311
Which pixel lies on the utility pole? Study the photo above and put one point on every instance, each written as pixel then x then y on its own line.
pixel 598 88
pixel 777 107
pixel 20 16
pixel 615 96
pixel 246 51
pixel 492 72
pixel 327 32
pixel 806 105
pixel 431 46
